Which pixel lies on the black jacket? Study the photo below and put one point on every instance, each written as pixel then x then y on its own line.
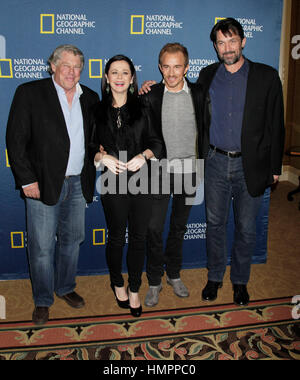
pixel 38 143
pixel 155 99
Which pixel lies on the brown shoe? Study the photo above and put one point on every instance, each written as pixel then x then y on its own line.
pixel 74 300
pixel 40 315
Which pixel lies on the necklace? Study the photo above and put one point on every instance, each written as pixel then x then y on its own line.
pixel 119 120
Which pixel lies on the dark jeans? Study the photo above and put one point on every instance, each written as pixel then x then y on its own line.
pixel 171 257
pixel 120 209
pixel 225 184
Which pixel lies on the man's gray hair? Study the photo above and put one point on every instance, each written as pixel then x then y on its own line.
pixel 56 55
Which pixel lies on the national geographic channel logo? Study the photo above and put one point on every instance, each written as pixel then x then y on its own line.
pixel 5 63
pixel 195 231
pixel 65 23
pixel 154 24
pixel 249 25
pixel 196 65
pixel 20 68
pixel 29 68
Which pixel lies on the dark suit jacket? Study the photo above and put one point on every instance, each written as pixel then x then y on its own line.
pixel 38 142
pixel 262 140
pixel 155 99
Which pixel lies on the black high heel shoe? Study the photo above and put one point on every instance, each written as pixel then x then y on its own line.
pixel 135 311
pixel 121 304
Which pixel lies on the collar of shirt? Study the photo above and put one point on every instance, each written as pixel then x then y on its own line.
pixel 61 91
pixel 184 88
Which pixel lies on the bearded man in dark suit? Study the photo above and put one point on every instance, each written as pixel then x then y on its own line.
pixel 244 141
pixel 47 137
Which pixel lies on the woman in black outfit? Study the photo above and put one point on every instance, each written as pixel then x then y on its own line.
pixel 123 124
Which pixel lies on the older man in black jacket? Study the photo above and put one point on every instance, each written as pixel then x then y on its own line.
pixel 48 132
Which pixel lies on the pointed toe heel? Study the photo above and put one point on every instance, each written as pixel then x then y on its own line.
pixel 135 311
pixel 121 304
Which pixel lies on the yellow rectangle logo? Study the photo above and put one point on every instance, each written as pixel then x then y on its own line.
pixel 101 237
pixel 17 242
pixel 137 24
pixel 46 29
pixel 6 156
pixel 6 68
pixel 217 19
pixel 95 68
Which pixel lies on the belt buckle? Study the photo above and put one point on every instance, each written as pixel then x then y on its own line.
pixel 232 154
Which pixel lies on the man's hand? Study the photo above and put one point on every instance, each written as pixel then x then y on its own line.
pixel 101 149
pixel 146 87
pixel 275 178
pixel 32 191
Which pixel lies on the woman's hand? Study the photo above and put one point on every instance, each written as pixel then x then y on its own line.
pixel 136 163
pixel 112 163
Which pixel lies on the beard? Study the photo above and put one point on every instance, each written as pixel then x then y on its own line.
pixel 231 57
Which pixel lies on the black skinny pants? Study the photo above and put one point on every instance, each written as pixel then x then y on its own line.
pixel 120 209
pixel 169 257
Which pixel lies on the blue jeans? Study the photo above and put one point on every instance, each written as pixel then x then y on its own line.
pixel 225 184
pixel 54 234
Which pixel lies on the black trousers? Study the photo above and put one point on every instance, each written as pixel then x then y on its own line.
pixel 169 258
pixel 120 210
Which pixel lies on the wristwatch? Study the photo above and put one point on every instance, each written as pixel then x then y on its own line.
pixel 144 155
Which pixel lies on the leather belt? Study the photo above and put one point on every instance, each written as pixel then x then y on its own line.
pixel 228 154
pixel 72 175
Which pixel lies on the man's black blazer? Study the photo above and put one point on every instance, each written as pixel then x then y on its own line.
pixel 154 98
pixel 262 139
pixel 38 142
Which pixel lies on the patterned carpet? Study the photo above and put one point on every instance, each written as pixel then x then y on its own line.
pixel 263 330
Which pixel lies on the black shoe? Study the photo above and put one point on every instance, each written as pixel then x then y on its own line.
pixel 121 304
pixel 210 292
pixel 73 299
pixel 135 311
pixel 240 295
pixel 40 315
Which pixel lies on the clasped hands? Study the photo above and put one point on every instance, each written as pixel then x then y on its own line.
pixel 116 166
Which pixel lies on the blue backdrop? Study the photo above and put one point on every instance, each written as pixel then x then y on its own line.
pixel 31 29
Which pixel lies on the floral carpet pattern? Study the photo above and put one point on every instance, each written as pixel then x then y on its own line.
pixel 262 330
